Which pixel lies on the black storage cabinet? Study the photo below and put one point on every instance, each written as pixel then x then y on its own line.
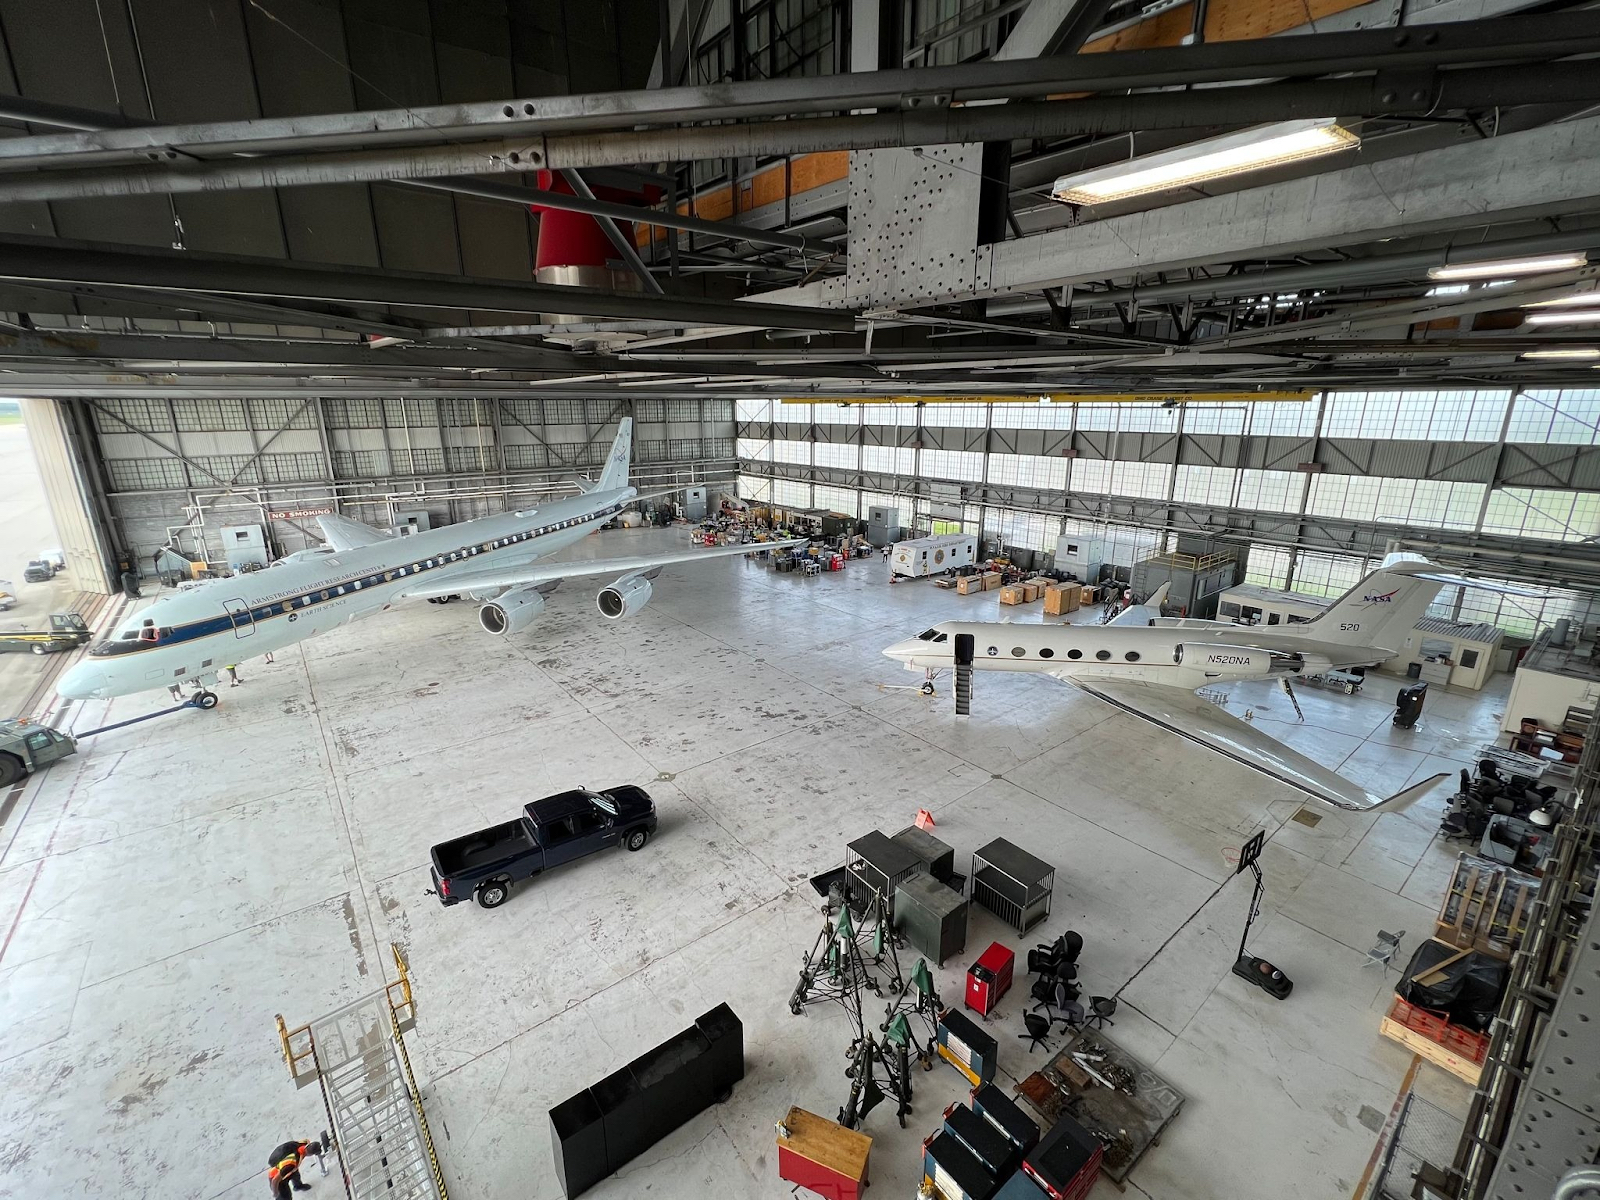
pixel 956 1172
pixel 606 1126
pixel 932 917
pixel 725 1033
pixel 938 859
pixel 577 1135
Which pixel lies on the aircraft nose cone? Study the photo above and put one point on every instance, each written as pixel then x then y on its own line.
pixel 901 651
pixel 82 682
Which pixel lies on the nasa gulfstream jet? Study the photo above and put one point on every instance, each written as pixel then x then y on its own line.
pixel 1150 667
pixel 500 561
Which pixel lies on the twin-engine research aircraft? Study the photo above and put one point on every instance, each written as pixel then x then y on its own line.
pixel 501 561
pixel 1150 667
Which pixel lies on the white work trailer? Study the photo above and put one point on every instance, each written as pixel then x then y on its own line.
pixel 934 555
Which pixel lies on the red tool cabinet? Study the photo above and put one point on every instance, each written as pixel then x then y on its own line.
pixel 989 978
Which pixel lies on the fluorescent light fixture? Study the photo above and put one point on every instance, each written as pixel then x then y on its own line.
pixel 1565 316
pixel 1576 300
pixel 1213 158
pixel 1573 352
pixel 1511 268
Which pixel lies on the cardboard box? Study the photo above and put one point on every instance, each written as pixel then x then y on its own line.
pixel 992 580
pixel 1059 601
pixel 1013 594
pixel 967 584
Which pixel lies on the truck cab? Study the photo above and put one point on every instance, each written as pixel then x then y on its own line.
pixel 25 747
pixel 551 832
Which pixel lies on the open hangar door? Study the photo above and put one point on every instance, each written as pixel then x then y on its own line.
pixel 77 503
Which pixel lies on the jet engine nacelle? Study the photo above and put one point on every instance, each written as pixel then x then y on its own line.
pixel 1227 662
pixel 511 613
pixel 624 597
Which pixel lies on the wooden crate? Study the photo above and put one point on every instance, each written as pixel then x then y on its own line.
pixel 968 584
pixel 1485 906
pixel 1013 594
pixel 1457 1050
pixel 1059 601
pixel 992 580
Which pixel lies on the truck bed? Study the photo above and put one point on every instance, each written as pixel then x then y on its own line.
pixel 482 848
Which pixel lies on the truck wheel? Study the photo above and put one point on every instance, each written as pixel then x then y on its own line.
pixel 10 769
pixel 493 894
pixel 38 648
pixel 636 839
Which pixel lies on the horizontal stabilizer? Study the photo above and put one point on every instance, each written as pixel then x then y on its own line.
pixel 344 534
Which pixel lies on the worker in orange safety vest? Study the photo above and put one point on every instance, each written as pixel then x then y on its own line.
pixel 283 1167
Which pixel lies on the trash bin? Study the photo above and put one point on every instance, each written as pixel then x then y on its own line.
pixel 1408 705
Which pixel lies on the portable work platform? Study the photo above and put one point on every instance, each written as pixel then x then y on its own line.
pixel 358 1054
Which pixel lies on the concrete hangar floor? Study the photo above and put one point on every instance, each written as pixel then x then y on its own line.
pixel 167 891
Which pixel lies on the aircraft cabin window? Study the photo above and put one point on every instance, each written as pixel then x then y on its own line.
pixel 1017 652
pixel 1074 653
pixel 1273 618
pixel 1132 656
pixel 1047 653
pixel 1102 655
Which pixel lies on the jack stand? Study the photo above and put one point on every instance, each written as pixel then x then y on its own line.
pixel 1289 692
pixel 1258 970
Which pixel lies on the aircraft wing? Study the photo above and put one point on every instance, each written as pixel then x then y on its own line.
pixel 539 571
pixel 344 534
pixel 1191 716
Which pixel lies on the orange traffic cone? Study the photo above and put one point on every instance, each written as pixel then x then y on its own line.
pixel 924 819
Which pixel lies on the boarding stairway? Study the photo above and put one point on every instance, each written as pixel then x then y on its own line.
pixel 962 657
pixel 358 1055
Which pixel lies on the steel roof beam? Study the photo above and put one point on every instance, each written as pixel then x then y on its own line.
pixel 1508 39
pixel 1384 94
pixel 47 261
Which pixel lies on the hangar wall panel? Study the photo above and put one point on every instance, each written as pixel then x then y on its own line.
pixel 89 561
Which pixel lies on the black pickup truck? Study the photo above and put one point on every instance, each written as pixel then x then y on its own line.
pixel 555 830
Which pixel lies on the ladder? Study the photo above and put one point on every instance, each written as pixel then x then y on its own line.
pixel 358 1055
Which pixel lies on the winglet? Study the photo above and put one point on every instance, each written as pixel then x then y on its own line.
pixel 1406 797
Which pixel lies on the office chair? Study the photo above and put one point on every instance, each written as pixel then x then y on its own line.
pixel 1100 1010
pixel 1038 1028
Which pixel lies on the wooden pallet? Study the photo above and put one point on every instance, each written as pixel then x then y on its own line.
pixel 1440 1056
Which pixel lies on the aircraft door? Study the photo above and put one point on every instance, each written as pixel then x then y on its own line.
pixel 244 621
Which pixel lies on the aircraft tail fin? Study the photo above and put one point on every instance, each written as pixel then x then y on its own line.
pixel 616 473
pixel 1380 611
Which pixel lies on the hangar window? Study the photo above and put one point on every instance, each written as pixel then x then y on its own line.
pixel 1102 655
pixel 1047 653
pixel 1017 652
pixel 1074 654
pixel 1132 656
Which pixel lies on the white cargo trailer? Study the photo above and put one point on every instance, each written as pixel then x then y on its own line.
pixel 934 555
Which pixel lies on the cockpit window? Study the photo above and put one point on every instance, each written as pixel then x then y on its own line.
pixel 932 635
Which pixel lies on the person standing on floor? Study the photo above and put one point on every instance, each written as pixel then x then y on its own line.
pixel 233 673
pixel 268 658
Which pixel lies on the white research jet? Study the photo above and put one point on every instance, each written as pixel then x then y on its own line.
pixel 1151 667
pixel 501 561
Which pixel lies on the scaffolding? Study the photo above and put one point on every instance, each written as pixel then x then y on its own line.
pixel 358 1055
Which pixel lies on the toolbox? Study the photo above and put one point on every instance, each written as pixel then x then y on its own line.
pixel 987 1144
pixel 989 978
pixel 1006 1115
pixel 823 1156
pixel 1066 1160
pixel 953 1170
pixel 966 1047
